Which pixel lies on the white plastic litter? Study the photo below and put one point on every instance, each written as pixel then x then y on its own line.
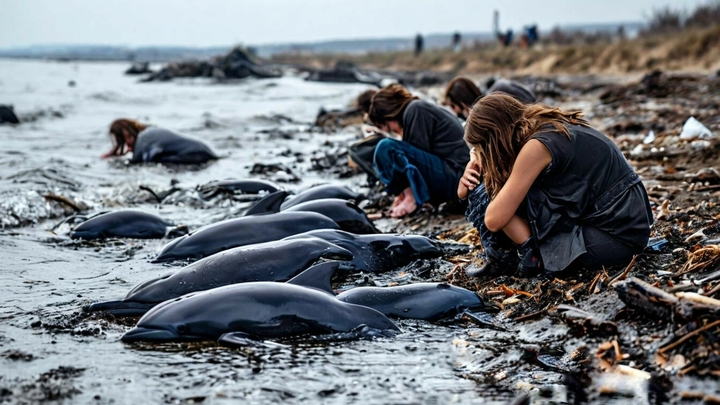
pixel 694 129
pixel 650 138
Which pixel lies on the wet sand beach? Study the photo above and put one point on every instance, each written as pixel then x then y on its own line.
pixel 628 346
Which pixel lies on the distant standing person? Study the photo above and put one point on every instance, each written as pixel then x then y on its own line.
pixel 419 44
pixel 461 93
pixel 457 42
pixel 158 145
pixel 426 165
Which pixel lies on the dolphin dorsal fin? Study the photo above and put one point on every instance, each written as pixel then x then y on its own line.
pixel 269 204
pixel 317 276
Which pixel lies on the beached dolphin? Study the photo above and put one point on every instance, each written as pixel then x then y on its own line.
pixel 238 186
pixel 243 231
pixel 380 252
pixel 122 224
pixel 320 192
pixel 346 214
pixel 427 301
pixel 235 314
pixel 270 261
pixel 159 145
pixel 277 202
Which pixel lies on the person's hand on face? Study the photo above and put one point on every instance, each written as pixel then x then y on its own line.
pixel 471 177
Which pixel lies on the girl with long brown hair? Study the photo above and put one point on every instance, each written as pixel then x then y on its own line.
pixel 426 165
pixel 149 144
pixel 546 191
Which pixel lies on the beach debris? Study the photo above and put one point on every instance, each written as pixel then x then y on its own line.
pixel 650 138
pixel 694 129
pixel 276 172
pixel 650 300
pixel 700 259
pixel 582 323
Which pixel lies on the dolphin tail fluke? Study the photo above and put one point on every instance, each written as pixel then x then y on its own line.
pixel 120 308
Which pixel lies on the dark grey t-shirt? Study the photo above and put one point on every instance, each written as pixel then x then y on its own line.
pixel 437 131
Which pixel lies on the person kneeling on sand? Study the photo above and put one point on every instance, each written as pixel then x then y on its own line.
pixel 150 144
pixel 426 165
pixel 556 193
pixel 461 93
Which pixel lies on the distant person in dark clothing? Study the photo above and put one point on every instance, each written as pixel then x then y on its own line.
pixel 461 93
pixel 426 165
pixel 419 43
pixel 150 144
pixel 456 42
pixel 546 191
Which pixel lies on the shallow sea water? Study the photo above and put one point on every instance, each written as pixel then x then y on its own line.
pixel 48 351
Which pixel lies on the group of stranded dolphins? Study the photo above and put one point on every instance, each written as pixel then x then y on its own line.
pixel 266 275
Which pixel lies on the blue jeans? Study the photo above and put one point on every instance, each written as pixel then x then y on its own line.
pixel 498 247
pixel 400 165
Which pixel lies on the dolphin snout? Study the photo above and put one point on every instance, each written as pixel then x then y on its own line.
pixel 140 334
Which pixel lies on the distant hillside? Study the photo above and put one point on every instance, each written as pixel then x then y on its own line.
pixel 350 46
pixel 120 53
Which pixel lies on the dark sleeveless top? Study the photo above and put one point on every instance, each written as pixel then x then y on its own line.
pixel 588 183
pixel 164 146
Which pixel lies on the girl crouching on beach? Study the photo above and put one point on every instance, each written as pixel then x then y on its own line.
pixel 426 165
pixel 156 145
pixel 547 192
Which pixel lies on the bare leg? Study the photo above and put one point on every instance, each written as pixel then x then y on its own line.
pixel 518 230
pixel 404 204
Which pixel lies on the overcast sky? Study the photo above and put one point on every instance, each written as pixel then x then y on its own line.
pixel 253 22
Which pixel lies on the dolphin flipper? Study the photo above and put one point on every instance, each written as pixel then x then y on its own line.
pixel 242 339
pixel 361 332
pixel 483 319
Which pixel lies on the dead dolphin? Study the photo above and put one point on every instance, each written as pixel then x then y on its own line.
pixel 122 224
pixel 346 214
pixel 238 186
pixel 426 301
pixel 270 261
pixel 158 145
pixel 235 314
pixel 379 252
pixel 276 202
pixel 320 192
pixel 243 231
